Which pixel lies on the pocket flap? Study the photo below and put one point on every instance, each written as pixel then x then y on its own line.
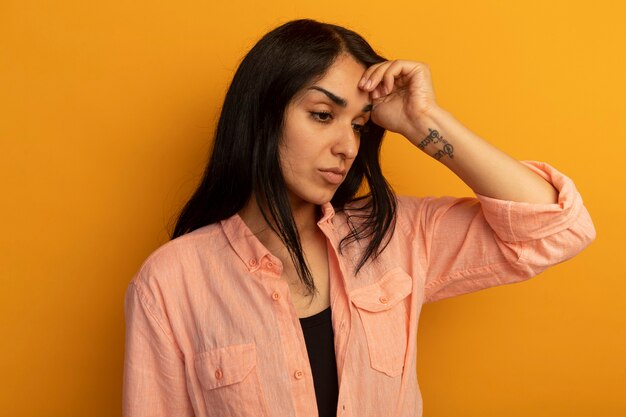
pixel 394 286
pixel 225 366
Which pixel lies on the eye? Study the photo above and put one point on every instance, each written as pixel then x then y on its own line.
pixel 321 116
pixel 361 128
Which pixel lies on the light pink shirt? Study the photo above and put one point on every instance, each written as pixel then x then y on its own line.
pixel 211 329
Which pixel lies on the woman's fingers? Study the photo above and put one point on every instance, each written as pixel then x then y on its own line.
pixel 389 76
pixel 373 75
pixel 366 82
pixel 380 79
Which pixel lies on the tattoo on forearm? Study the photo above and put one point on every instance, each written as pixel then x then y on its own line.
pixel 434 137
pixel 447 150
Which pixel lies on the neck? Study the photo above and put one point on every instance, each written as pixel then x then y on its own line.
pixel 305 216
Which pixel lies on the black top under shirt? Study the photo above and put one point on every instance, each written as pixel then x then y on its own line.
pixel 320 345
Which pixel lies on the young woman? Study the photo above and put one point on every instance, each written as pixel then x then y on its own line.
pixel 295 278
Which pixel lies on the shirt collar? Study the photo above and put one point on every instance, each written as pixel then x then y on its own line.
pixel 248 248
pixel 328 212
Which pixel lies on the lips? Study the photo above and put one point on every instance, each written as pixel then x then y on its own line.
pixel 333 175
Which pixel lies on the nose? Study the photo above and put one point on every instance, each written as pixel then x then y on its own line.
pixel 347 143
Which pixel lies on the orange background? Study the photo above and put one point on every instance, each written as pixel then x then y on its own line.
pixel 106 115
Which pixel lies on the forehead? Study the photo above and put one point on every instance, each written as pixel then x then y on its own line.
pixel 342 79
pixel 344 70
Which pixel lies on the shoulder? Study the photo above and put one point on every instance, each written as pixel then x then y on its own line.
pixel 175 256
pixel 408 211
pixel 419 213
pixel 404 204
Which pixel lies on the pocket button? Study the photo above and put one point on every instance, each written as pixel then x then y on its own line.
pixel 383 299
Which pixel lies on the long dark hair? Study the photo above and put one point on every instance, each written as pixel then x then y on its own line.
pixel 245 157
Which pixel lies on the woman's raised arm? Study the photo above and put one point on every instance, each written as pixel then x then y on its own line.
pixel 404 102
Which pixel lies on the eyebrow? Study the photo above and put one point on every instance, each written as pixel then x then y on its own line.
pixel 338 100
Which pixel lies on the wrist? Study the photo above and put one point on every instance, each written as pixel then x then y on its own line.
pixel 431 134
pixel 421 127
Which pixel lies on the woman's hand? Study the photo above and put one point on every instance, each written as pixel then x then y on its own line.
pixel 402 94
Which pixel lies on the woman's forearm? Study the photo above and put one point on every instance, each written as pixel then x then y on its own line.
pixel 483 167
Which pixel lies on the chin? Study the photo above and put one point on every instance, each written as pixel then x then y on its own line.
pixel 310 192
pixel 317 199
pixel 320 201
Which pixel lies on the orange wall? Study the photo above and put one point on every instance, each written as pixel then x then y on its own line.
pixel 106 111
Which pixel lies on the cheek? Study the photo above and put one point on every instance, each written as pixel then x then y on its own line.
pixel 291 162
pixel 303 144
pixel 301 151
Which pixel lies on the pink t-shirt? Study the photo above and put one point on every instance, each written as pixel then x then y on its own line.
pixel 211 330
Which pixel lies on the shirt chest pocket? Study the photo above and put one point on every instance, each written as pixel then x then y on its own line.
pixel 383 310
pixel 230 382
